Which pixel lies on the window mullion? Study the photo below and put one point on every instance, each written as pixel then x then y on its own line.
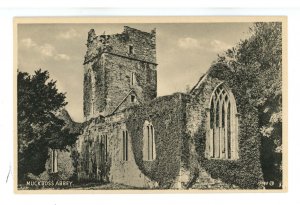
pixel 225 130
pixel 148 141
pixel 151 142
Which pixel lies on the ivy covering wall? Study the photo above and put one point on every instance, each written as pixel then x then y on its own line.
pixel 167 115
pixel 244 172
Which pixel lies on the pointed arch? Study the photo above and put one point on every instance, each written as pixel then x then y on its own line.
pixel 149 150
pixel 222 131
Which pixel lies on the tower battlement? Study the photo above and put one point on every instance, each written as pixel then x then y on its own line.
pixel 132 43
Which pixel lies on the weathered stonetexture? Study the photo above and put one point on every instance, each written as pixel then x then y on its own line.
pixel 245 171
pixel 114 169
pixel 120 72
pixel 120 95
pixel 65 168
pixel 167 116
pixel 95 88
pixel 116 64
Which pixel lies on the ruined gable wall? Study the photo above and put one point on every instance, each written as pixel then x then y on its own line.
pixel 244 172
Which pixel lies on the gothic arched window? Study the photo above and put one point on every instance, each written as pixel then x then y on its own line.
pixel 222 132
pixel 149 152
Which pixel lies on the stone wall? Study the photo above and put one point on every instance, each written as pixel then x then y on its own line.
pixel 119 72
pixel 120 65
pixel 65 168
pixel 143 45
pixel 87 90
pixel 114 169
pixel 116 64
pixel 245 171
pixel 167 115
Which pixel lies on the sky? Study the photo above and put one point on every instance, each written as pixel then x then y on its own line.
pixel 185 52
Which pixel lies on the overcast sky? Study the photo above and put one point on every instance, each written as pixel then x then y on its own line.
pixel 184 53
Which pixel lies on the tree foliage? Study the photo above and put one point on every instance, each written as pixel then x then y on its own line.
pixel 39 126
pixel 257 65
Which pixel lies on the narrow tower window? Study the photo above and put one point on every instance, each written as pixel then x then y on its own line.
pixel 132 98
pixel 132 78
pixel 130 49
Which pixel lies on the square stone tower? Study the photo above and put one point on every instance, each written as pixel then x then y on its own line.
pixel 119 71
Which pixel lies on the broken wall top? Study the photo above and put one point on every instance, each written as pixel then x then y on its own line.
pixel 131 43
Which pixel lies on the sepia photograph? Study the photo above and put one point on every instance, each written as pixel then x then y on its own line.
pixel 150 104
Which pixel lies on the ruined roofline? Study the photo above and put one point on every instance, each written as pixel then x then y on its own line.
pixel 179 95
pixel 201 80
pixel 131 91
pixel 204 76
pixel 104 45
pixel 125 29
pixel 152 32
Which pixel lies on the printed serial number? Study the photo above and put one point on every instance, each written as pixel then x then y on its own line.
pixel 269 183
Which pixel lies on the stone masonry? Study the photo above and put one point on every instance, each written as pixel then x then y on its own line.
pixel 120 98
pixel 117 66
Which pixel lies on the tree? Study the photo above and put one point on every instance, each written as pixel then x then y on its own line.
pixel 257 63
pixel 39 124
